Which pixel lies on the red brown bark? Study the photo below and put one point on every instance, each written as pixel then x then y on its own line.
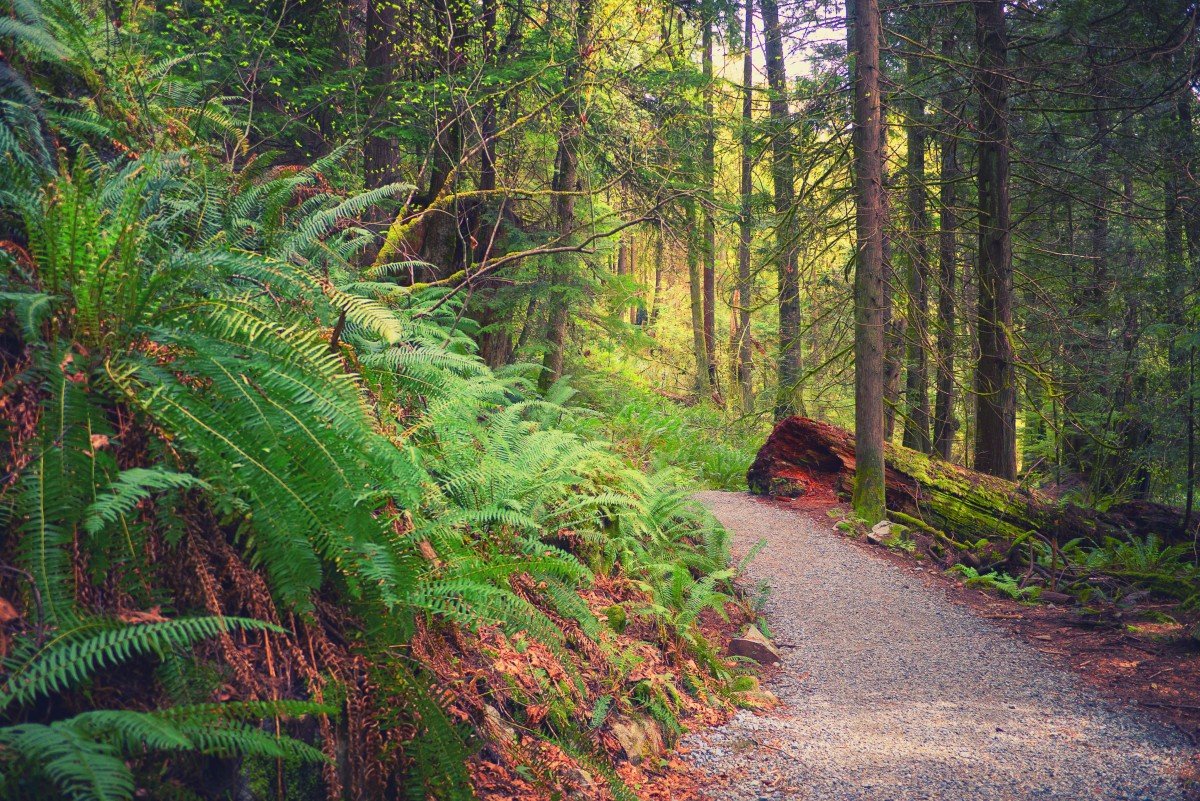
pixel 813 460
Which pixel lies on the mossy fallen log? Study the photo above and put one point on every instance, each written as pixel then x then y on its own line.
pixel 959 506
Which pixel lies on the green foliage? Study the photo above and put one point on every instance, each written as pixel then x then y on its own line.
pixel 616 617
pixel 700 442
pixel 901 540
pixel 86 757
pixel 209 358
pixel 76 655
pixel 1115 568
pixel 130 488
pixel 281 443
pixel 999 582
pixel 600 711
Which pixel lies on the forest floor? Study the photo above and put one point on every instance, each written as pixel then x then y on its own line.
pixel 893 688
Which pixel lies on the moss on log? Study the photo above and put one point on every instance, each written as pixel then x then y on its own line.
pixel 805 457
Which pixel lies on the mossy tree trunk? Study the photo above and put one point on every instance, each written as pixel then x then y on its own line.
pixel 869 300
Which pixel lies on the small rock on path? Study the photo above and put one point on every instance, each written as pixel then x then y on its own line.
pixel 893 692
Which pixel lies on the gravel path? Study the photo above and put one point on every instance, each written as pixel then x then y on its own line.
pixel 893 692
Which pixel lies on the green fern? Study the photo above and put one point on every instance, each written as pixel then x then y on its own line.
pixel 600 711
pixel 85 757
pixel 131 487
pixel 70 659
pixel 77 766
pixel 196 303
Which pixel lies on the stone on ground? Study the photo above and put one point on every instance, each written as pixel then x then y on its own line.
pixel 753 644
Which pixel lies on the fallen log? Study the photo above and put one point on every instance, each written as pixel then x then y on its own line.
pixel 804 457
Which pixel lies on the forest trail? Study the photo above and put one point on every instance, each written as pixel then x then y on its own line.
pixel 891 691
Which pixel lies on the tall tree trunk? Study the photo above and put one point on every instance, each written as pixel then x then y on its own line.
pixel 995 387
pixel 487 122
pixel 893 324
pixel 530 323
pixel 969 297
pixel 656 298
pixel 566 168
pixel 453 26
pixel 381 154
pixel 791 363
pixel 916 389
pixel 1133 430
pixel 863 26
pixel 1096 458
pixel 1190 213
pixel 1190 472
pixel 696 296
pixel 637 310
pixel 1180 370
pixel 444 239
pixel 710 225
pixel 496 342
pixel 945 424
pixel 746 223
pixel 626 266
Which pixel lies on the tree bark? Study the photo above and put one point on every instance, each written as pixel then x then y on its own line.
pixel 656 298
pixel 496 341
pixel 637 310
pixel 1189 206
pixel 453 26
pixel 746 223
pixel 810 459
pixel 1190 472
pixel 945 424
pixel 566 167
pixel 445 232
pixel 791 361
pixel 894 324
pixel 710 225
pixel 916 390
pixel 381 154
pixel 863 27
pixel 696 296
pixel 995 387
pixel 1177 272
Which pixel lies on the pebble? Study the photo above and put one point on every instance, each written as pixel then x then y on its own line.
pixel 893 693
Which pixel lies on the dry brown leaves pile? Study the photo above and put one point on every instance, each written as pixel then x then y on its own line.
pixel 506 686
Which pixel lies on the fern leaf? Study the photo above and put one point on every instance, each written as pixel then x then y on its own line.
pixel 83 769
pixel 67 662
pixel 132 486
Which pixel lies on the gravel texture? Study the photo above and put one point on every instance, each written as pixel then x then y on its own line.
pixel 890 691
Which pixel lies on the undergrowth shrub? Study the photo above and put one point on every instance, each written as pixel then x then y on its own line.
pixel 213 409
pixel 93 754
pixel 1113 569
pixel 995 581
pixel 707 446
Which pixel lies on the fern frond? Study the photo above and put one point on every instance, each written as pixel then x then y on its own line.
pixel 131 487
pixel 67 662
pixel 81 768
